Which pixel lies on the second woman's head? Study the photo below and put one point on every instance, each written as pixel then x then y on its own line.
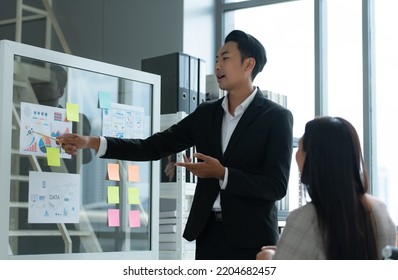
pixel 330 159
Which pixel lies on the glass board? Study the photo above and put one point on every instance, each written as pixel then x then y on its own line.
pixel 74 206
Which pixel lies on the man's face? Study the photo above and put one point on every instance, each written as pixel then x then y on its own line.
pixel 48 93
pixel 229 69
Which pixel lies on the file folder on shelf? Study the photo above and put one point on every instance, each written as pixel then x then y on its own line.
pixel 193 83
pixel 174 71
pixel 201 81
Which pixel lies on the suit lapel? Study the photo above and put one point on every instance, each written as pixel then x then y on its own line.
pixel 248 116
pixel 216 130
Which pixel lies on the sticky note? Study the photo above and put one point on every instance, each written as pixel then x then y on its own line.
pixel 113 172
pixel 53 156
pixel 134 218
pixel 133 173
pixel 113 194
pixel 104 99
pixel 72 112
pixel 133 195
pixel 113 218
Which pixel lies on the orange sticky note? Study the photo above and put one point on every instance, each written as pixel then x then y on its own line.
pixel 134 173
pixel 113 218
pixel 133 195
pixel 72 112
pixel 113 194
pixel 53 156
pixel 134 218
pixel 113 172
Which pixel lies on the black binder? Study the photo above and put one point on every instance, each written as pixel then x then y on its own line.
pixel 182 78
pixel 174 71
pixel 201 81
pixel 193 83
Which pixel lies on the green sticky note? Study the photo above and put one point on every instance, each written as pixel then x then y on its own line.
pixel 133 195
pixel 72 112
pixel 53 156
pixel 104 100
pixel 113 194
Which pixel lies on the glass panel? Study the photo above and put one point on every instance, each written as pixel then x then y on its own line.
pixel 344 50
pixel 290 68
pixel 41 92
pixel 386 45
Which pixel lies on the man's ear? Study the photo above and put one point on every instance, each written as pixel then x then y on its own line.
pixel 250 63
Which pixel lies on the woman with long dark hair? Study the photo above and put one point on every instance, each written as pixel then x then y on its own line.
pixel 342 221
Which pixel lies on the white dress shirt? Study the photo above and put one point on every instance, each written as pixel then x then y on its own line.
pixel 229 124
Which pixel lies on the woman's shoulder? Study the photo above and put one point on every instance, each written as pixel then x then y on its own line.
pixel 307 212
pixel 380 212
pixel 375 202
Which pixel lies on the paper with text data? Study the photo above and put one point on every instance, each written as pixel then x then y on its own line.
pixel 53 197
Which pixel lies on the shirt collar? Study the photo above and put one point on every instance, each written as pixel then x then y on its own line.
pixel 243 106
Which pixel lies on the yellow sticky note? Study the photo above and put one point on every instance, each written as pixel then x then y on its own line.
pixel 53 156
pixel 113 218
pixel 134 173
pixel 113 194
pixel 134 218
pixel 133 195
pixel 113 172
pixel 72 112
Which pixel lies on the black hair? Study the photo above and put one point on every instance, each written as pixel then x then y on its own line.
pixel 249 46
pixel 334 171
pixel 60 75
pixel 50 91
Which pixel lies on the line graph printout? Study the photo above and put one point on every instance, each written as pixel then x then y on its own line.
pixel 40 125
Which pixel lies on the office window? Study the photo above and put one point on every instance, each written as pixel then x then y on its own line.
pixel 344 56
pixel 290 52
pixel 289 45
pixel 386 68
pixel 290 66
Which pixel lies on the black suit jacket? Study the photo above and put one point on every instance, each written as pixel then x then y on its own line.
pixel 258 159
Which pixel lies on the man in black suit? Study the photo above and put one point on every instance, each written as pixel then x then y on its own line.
pixel 244 150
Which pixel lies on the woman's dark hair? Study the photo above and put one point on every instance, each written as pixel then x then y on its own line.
pixel 335 175
pixel 249 46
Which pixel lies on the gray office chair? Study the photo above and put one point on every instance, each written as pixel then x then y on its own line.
pixel 390 253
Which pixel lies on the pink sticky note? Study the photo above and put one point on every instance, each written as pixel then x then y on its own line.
pixel 113 172
pixel 134 173
pixel 134 218
pixel 113 218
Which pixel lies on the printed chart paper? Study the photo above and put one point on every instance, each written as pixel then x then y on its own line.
pixel 40 125
pixel 123 121
pixel 53 197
